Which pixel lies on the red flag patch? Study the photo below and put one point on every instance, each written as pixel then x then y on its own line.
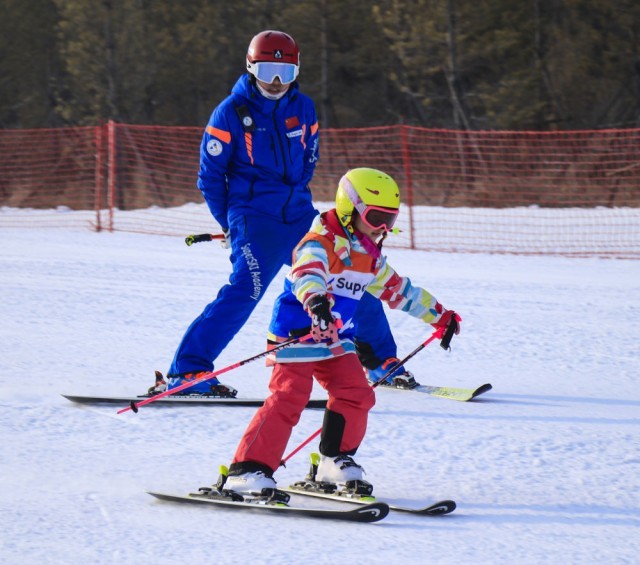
pixel 292 122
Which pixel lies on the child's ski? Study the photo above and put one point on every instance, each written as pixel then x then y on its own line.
pixel 372 512
pixel 435 509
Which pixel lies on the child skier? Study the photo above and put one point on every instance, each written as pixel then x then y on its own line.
pixel 334 264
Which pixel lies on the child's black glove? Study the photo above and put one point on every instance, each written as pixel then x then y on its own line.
pixel 323 324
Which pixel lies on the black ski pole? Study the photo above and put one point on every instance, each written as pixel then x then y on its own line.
pixel 200 237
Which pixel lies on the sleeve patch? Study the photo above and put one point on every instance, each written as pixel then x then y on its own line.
pixel 214 147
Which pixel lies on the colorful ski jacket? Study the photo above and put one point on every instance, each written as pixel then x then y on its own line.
pixel 257 156
pixel 330 260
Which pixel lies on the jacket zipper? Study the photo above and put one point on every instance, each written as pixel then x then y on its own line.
pixel 284 159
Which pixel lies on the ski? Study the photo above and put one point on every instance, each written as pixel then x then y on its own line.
pixel 180 400
pixel 435 509
pixel 371 512
pixel 452 393
pixel 461 394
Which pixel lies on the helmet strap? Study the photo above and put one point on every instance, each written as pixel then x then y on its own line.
pixel 372 248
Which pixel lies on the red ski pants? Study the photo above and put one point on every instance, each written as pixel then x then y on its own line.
pixel 349 393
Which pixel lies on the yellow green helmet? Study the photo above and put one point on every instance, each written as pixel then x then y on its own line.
pixel 372 193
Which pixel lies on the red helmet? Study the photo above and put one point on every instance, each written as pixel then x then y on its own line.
pixel 273 46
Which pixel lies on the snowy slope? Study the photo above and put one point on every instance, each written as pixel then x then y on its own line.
pixel 545 469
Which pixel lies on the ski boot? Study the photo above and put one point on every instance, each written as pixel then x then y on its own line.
pixel 401 378
pixel 255 487
pixel 340 476
pixel 212 388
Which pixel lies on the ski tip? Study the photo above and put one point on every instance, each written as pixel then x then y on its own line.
pixel 442 507
pixel 481 390
pixel 373 512
pixel 133 406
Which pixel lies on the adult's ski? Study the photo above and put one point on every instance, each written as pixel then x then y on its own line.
pixel 452 393
pixel 371 512
pixel 433 509
pixel 181 400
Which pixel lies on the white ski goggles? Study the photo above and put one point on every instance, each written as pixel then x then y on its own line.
pixel 267 71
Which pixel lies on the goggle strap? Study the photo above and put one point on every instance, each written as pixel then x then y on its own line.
pixel 353 195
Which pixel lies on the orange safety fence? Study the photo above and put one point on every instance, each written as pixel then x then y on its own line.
pixel 564 193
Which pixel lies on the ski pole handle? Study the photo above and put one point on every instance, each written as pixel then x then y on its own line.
pixel 452 328
pixel 135 405
pixel 198 238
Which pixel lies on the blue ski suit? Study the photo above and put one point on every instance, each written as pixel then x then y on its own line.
pixel 257 158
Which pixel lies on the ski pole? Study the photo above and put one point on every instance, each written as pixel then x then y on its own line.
pixel 435 335
pixel 197 238
pixel 452 328
pixel 135 405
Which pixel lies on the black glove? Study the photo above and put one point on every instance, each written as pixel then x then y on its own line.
pixel 323 324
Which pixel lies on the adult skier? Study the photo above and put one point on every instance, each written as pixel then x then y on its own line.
pixel 257 157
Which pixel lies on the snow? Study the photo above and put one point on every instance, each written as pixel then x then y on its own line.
pixel 545 468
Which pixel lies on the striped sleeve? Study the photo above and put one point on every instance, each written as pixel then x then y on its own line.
pixel 309 271
pixel 400 294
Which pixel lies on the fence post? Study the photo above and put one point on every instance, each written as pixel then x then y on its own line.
pixel 406 161
pixel 98 174
pixel 111 165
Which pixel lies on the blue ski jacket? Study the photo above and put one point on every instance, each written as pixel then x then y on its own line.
pixel 257 155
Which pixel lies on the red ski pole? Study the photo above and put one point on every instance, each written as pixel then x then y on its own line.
pixel 135 405
pixel 435 335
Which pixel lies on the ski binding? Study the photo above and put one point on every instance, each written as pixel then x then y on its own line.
pixel 358 492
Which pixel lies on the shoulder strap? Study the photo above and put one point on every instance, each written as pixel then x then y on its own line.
pixel 245 118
